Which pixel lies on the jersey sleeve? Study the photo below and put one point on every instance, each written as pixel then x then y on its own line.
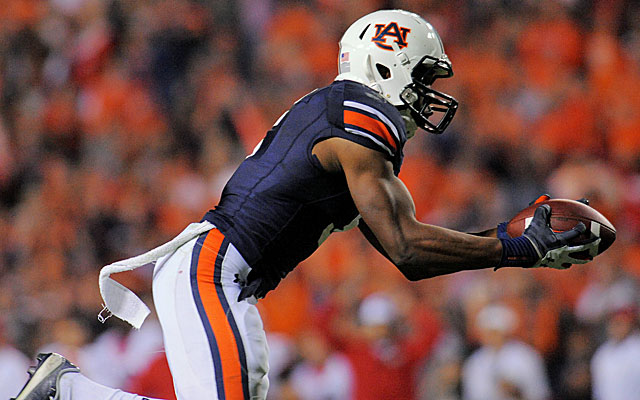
pixel 366 118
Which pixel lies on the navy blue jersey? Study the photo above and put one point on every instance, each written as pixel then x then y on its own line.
pixel 280 204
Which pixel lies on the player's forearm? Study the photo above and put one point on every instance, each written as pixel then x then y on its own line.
pixel 432 251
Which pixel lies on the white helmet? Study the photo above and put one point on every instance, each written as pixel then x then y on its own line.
pixel 400 55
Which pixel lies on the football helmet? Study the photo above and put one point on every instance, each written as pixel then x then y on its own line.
pixel 400 55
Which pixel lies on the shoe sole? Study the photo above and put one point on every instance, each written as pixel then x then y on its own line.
pixel 49 365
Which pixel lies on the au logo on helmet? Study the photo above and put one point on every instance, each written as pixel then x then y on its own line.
pixel 391 29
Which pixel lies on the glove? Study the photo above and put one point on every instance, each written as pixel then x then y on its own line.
pixel 502 227
pixel 540 246
pixel 553 247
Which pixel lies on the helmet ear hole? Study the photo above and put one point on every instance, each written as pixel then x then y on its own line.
pixel 364 31
pixel 383 70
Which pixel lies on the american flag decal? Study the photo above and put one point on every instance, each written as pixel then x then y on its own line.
pixel 344 57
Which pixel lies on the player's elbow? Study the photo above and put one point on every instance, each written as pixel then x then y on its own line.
pixel 412 266
pixel 410 272
pixel 415 272
pixel 405 263
pixel 412 275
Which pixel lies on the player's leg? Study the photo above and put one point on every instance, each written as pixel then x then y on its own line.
pixel 215 346
pixel 56 378
pixel 248 323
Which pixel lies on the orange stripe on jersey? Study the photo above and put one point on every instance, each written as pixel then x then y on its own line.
pixel 370 124
pixel 227 345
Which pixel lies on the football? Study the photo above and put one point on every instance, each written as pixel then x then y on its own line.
pixel 565 214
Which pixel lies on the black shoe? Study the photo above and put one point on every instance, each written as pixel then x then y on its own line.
pixel 45 377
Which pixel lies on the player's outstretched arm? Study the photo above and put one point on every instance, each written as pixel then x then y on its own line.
pixel 423 251
pixel 418 250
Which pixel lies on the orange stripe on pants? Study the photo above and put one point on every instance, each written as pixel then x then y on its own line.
pixel 227 345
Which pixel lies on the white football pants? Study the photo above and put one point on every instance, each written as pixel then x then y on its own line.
pixel 215 345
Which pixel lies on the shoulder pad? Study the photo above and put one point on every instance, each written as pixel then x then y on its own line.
pixel 361 111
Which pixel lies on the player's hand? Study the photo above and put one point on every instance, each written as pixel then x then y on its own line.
pixel 552 247
pixel 501 232
pixel 540 246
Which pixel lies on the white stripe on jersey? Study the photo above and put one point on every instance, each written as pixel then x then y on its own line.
pixel 369 136
pixel 369 109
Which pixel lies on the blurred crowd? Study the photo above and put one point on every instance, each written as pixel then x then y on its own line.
pixel 120 122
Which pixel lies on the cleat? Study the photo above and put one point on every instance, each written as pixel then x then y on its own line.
pixel 45 377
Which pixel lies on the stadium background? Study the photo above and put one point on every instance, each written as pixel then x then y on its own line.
pixel 121 120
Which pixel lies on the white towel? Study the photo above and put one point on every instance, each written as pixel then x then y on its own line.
pixel 122 302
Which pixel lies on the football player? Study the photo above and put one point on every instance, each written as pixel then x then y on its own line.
pixel 330 163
